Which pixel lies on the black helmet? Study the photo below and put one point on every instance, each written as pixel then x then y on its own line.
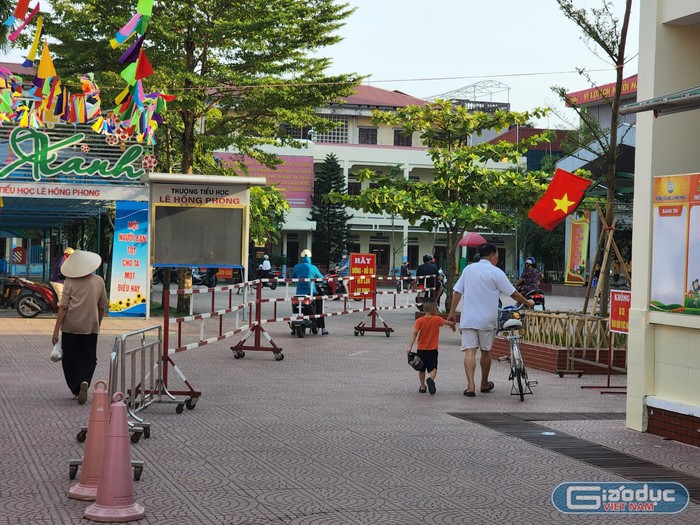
pixel 414 361
pixel 427 258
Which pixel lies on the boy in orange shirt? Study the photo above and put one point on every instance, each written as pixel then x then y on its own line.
pixel 427 331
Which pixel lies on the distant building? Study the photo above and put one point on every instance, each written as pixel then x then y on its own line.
pixel 358 144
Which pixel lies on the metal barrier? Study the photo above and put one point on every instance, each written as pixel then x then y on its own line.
pixel 227 315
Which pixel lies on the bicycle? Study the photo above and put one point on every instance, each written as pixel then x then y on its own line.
pixel 510 320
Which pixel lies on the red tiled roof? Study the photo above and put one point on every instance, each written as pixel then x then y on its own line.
pixel 18 69
pixel 377 97
pixel 514 135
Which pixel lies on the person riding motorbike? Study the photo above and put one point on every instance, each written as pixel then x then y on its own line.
pixel 343 272
pixel 306 270
pixel 530 278
pixel 264 268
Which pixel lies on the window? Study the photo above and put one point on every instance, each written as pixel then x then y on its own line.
pixel 401 139
pixel 368 136
pixel 354 188
pixel 337 135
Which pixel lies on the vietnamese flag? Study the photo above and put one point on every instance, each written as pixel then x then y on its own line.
pixel 561 198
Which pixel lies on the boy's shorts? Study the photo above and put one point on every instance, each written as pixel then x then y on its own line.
pixel 429 358
pixel 472 338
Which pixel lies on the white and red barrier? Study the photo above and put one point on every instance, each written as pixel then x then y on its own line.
pixel 223 321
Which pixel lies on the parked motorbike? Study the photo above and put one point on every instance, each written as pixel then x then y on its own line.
pixel 158 275
pixel 268 274
pixel 35 298
pixel 303 305
pixel 333 284
pixel 536 295
pixel 208 278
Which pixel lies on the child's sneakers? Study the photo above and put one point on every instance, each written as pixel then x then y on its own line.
pixel 431 385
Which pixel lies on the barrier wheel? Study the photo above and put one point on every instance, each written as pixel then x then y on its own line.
pixel 580 374
pixel 179 408
pixel 561 374
pixel 137 473
pixel 81 436
pixel 387 334
pixel 191 403
pixel 135 437
pixel 72 471
pixel 362 333
pixel 357 333
pixel 146 432
pixel 279 356
pixel 239 354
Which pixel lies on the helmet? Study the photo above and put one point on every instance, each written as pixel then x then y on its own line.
pixel 530 260
pixel 306 253
pixel 266 257
pixel 414 361
pixel 345 252
pixel 68 251
pixel 427 258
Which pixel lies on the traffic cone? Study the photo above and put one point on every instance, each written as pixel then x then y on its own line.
pixel 86 488
pixel 115 489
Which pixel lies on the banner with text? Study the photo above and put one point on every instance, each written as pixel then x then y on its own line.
pixel 675 264
pixel 620 302
pixel 295 176
pixel 578 247
pixel 128 295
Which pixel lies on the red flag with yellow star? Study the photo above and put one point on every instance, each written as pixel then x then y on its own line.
pixel 559 200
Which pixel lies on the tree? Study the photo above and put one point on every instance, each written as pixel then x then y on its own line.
pixel 332 231
pixel 246 74
pixel 603 29
pixel 465 192
pixel 6 10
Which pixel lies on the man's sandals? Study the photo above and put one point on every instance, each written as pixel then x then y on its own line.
pixel 490 387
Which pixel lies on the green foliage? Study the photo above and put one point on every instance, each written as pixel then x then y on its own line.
pixel 242 72
pixel 331 235
pixel 547 247
pixel 7 7
pixel 465 192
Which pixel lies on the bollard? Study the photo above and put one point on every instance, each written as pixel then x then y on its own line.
pixel 115 490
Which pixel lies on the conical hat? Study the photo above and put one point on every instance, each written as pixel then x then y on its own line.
pixel 80 264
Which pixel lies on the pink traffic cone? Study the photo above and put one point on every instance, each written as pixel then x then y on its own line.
pixel 115 489
pixel 86 488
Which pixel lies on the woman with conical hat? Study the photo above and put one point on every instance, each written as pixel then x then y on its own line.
pixel 80 314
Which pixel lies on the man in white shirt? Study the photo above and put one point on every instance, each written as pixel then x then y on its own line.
pixel 481 284
pixel 266 266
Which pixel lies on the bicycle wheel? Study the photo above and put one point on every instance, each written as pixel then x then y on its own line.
pixel 518 371
pixel 521 380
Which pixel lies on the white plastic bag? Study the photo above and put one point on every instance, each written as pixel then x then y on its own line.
pixel 57 352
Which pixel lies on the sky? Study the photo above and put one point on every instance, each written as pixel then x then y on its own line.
pixel 429 47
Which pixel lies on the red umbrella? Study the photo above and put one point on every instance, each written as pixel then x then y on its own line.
pixel 471 239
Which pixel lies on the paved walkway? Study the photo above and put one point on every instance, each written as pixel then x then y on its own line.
pixel 336 433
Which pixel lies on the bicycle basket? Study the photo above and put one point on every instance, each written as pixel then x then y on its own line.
pixel 509 313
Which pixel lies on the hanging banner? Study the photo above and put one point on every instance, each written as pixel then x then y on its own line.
pixel 579 226
pixel 675 265
pixel 363 266
pixel 128 296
